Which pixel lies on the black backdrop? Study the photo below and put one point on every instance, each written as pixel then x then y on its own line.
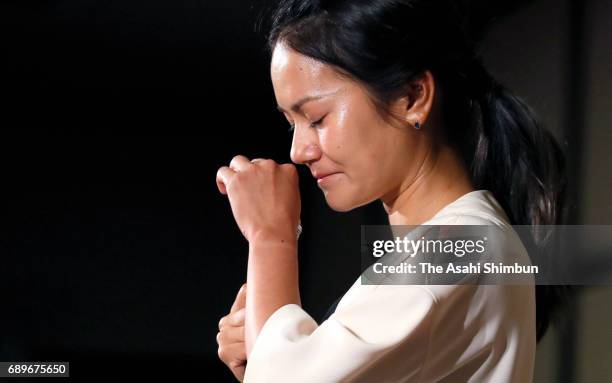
pixel 118 253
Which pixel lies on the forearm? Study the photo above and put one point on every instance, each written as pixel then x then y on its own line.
pixel 272 282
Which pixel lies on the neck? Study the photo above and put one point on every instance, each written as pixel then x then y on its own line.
pixel 440 180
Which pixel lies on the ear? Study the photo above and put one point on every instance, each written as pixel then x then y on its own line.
pixel 418 102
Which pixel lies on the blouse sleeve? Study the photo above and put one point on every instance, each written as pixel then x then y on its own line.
pixel 380 324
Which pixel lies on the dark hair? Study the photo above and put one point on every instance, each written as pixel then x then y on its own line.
pixel 385 44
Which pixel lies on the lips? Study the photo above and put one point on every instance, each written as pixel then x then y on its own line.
pixel 318 175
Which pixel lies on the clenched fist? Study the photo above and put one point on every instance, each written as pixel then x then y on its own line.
pixel 264 197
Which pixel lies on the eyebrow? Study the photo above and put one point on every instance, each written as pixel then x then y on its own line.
pixel 298 105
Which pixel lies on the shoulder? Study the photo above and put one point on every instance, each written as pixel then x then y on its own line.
pixel 479 207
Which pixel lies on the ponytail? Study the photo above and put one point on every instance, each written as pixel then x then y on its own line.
pixel 521 163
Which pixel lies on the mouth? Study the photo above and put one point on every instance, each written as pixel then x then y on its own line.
pixel 326 180
pixel 320 176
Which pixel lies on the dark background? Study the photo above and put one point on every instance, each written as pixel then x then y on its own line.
pixel 118 253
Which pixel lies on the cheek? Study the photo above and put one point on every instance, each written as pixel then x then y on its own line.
pixel 367 167
pixel 359 142
pixel 382 159
pixel 337 139
pixel 369 146
pixel 333 145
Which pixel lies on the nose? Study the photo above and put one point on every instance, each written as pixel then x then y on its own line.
pixel 304 146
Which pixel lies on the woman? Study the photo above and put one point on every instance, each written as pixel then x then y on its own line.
pixel 389 101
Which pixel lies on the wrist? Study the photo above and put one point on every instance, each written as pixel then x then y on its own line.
pixel 271 241
pixel 264 238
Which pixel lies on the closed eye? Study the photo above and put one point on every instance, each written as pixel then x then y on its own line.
pixel 317 123
pixel 312 124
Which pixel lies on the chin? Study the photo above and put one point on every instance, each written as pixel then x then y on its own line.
pixel 340 208
pixel 342 203
pixel 336 202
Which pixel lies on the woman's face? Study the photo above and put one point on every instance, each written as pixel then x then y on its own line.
pixel 338 133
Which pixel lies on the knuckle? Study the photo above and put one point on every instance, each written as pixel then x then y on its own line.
pixel 222 353
pixel 240 321
pixel 222 338
pixel 220 170
pixel 234 162
pixel 234 363
pixel 289 168
pixel 268 162
pixel 236 158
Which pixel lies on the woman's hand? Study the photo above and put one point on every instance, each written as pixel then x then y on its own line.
pixel 264 197
pixel 232 349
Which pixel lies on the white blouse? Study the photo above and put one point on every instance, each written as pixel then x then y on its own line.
pixel 409 333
